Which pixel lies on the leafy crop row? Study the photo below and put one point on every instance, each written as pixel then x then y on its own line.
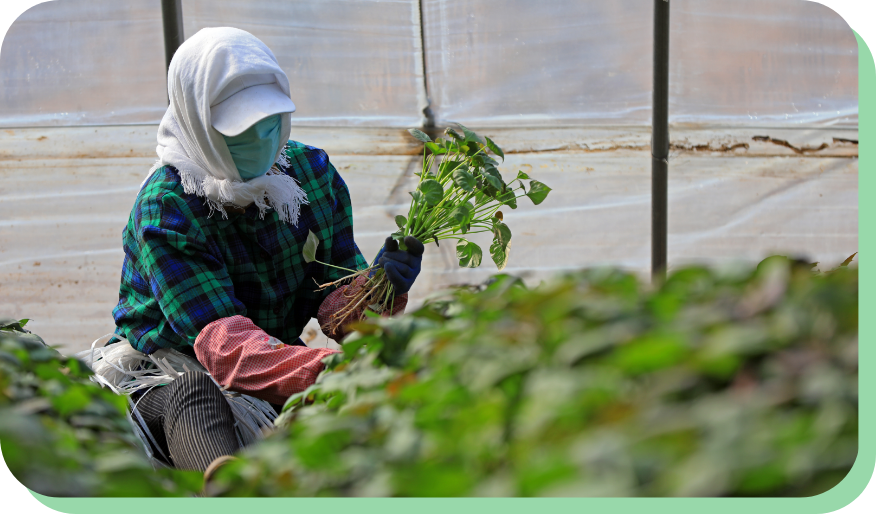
pixel 63 435
pixel 594 384
pixel 591 385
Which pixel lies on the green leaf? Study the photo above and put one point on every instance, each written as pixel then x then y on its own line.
pixel 10 325
pixel 501 233
pixel 537 192
pixel 469 135
pixel 488 160
pixel 299 397
pixel 464 180
pixel 419 134
pixel 401 221
pixel 454 134
pixel 447 165
pixel 650 353
pixel 508 198
pixel 469 254
pixel 416 195
pixel 23 322
pixel 499 254
pixel 486 189
pixel 493 171
pixel 432 191
pixel 435 149
pixel 462 212
pixel 521 176
pixel 493 181
pixel 845 263
pixel 310 247
pixel 71 400
pixel 494 148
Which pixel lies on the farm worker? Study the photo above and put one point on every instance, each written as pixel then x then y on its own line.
pixel 213 248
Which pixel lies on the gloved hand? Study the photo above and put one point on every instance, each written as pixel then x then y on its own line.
pixel 401 267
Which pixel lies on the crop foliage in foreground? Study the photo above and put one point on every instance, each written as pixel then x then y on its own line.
pixel 594 384
pixel 730 384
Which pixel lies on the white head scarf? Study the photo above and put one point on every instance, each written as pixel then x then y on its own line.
pixel 201 70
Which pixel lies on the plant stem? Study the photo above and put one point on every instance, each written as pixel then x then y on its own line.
pixel 333 266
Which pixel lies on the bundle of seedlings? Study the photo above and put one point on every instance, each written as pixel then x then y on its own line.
pixel 459 193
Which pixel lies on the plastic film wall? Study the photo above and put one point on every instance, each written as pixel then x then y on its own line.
pixel 487 62
pixel 84 62
pixel 349 62
pixel 743 62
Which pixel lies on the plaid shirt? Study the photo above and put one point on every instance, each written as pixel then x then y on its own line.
pixel 185 269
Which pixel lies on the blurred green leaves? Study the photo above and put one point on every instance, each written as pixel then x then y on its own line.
pixel 63 435
pixel 591 384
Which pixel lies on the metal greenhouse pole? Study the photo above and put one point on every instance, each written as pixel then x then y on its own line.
pixel 171 15
pixel 660 140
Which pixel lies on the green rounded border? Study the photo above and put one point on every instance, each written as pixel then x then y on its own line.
pixel 838 497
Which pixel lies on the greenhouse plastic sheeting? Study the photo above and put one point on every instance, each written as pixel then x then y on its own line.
pixel 487 62
pixel 349 62
pixel 62 217
pixel 743 62
pixel 84 62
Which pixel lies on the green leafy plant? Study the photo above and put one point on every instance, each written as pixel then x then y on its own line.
pixel 591 384
pixel 63 435
pixel 459 193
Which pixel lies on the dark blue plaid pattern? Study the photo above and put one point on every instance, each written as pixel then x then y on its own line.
pixel 185 268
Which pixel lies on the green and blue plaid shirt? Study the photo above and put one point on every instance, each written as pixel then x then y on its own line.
pixel 184 268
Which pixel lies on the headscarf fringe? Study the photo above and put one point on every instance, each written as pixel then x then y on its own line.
pixel 278 190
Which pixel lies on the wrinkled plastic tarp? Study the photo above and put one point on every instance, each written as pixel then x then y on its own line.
pixel 745 62
pixel 488 62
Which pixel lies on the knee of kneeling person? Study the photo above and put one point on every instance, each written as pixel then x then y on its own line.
pixel 194 385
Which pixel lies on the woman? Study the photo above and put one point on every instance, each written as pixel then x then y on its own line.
pixel 213 265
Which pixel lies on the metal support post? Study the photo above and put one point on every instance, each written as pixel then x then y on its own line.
pixel 171 15
pixel 660 141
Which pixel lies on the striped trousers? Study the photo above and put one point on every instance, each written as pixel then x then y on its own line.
pixel 190 420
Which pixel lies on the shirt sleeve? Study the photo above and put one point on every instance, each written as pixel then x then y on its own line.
pixel 239 355
pixel 345 251
pixel 337 244
pixel 184 270
pixel 346 254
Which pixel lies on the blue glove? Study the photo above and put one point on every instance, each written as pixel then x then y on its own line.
pixel 401 267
